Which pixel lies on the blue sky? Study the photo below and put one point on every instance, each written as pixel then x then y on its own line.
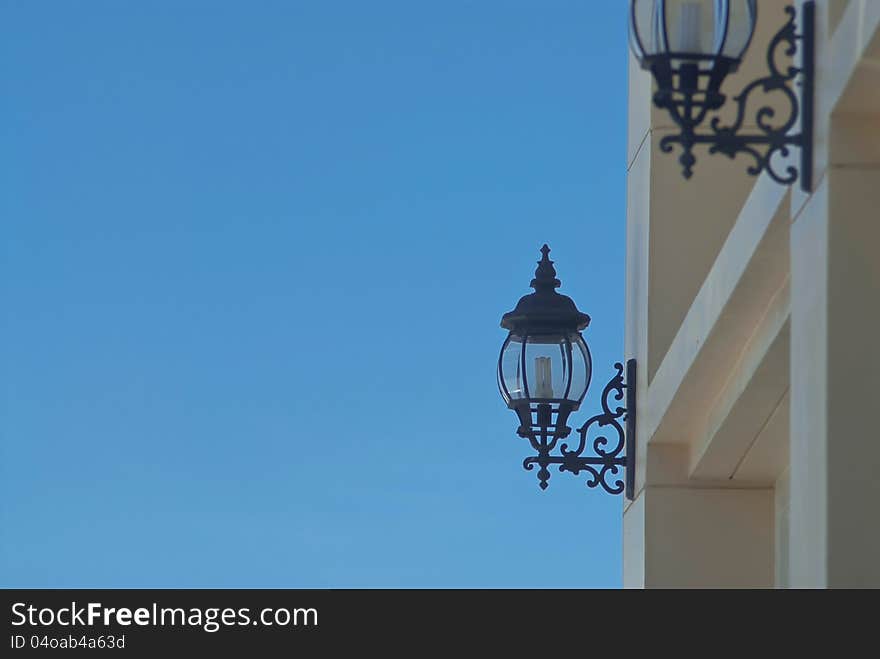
pixel 254 259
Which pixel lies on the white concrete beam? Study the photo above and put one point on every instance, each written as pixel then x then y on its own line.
pixel 768 457
pixel 749 398
pixel 749 270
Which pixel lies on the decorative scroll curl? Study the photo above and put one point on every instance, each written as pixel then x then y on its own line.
pixel 607 459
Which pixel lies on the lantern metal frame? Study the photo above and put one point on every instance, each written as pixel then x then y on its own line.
pixel 689 93
pixel 543 420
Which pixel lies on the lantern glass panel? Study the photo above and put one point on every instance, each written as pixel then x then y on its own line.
pixel 556 367
pixel 692 27
pixel 642 34
pixel 510 380
pixel 741 26
pixel 548 366
pixel 581 368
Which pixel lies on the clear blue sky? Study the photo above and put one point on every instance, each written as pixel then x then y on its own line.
pixel 254 259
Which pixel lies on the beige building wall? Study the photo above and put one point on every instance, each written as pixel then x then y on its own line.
pixel 754 313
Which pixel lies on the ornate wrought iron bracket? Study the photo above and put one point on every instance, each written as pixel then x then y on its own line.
pixel 690 103
pixel 609 457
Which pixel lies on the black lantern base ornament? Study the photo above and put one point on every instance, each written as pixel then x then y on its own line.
pixel 690 46
pixel 609 456
pixel 544 372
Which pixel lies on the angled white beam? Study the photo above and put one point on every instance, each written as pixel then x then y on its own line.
pixel 749 270
pixel 749 398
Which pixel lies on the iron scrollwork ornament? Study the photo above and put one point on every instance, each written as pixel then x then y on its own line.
pixel 688 107
pixel 609 457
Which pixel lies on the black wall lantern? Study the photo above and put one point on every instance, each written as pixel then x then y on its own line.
pixel 544 371
pixel 691 45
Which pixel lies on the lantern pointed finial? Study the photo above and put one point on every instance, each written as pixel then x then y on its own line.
pixel 545 311
pixel 545 274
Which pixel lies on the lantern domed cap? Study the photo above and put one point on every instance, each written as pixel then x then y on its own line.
pixel 545 311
